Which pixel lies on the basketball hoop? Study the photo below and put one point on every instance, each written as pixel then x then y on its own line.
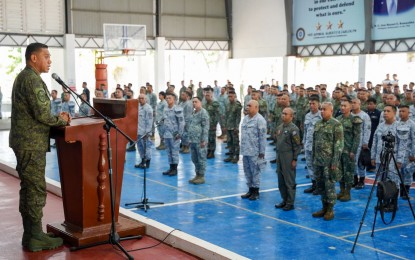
pixel 124 40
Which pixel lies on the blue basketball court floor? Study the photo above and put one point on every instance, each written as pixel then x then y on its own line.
pixel 215 212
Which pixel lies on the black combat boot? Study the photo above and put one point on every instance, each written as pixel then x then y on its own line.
pixel 355 181
pixel 141 165
pixel 169 170
pixel 361 184
pixel 255 194
pixel 173 172
pixel 312 188
pixel 148 163
pixel 248 194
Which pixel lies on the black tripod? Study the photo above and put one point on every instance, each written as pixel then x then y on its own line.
pixel 144 203
pixel 385 158
pixel 114 238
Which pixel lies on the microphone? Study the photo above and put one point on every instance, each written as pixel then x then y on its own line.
pixel 56 77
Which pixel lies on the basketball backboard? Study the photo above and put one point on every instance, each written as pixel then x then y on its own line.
pixel 124 40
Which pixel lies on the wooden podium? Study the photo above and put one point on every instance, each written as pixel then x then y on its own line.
pixel 83 169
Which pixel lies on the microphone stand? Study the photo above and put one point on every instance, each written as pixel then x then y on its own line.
pixel 114 238
pixel 144 203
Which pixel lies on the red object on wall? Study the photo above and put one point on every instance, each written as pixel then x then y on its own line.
pixel 101 76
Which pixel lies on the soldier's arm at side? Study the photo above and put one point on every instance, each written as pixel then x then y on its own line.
pixel 262 136
pixel 337 145
pixel 205 128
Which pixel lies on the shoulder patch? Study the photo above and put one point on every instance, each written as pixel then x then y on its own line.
pixel 357 120
pixel 41 96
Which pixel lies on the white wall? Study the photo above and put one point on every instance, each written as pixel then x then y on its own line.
pixel 259 28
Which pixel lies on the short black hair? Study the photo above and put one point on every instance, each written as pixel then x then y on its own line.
pixel 34 47
pixel 371 99
pixel 403 106
pixel 171 94
pixel 314 97
pixel 162 93
pixel 197 98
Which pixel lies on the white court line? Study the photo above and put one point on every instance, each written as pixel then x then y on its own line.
pixel 380 229
pixel 217 199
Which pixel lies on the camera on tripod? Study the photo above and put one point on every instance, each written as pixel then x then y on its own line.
pixel 389 140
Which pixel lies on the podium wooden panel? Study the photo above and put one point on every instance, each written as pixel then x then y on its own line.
pixel 83 169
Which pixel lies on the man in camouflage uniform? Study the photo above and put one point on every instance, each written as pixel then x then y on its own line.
pixel 327 149
pixel 182 89
pixel 359 177
pixel 390 125
pixel 253 141
pixel 152 101
pixel 198 137
pixel 337 95
pixel 233 118
pixel 351 134
pixel 223 103
pixel 67 105
pixel 310 121
pixel 263 109
pixel 161 106
pixel 29 139
pixel 173 131
pixel 145 126
pixel 212 108
pixel 301 104
pixel 406 125
pixel 187 107
pixel 283 101
pixel 288 148
pixel 55 103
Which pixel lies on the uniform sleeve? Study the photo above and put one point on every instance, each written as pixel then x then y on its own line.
pixel 180 122
pixel 296 142
pixel 357 131
pixel 412 136
pixel 149 119
pixel 366 130
pixel 373 150
pixel 205 126
pixel 238 115
pixel 337 144
pixel 305 130
pixel 40 104
pixel 402 145
pixel 262 135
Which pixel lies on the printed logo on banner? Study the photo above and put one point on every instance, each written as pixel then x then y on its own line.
pixel 300 34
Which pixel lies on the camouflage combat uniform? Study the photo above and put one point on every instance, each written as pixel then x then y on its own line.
pixel 31 120
pixel 223 103
pixel 327 149
pixel 145 126
pixel 187 113
pixel 212 109
pixel 173 130
pixel 301 106
pixel 198 132
pixel 233 118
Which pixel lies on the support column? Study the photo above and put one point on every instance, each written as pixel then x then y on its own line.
pixel 159 64
pixel 288 64
pixel 69 59
pixel 362 69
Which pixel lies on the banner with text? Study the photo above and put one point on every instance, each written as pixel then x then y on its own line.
pixel 328 21
pixel 393 19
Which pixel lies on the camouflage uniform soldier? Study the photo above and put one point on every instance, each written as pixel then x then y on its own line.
pixel 327 149
pixel 300 111
pixel 212 107
pixel 253 141
pixel 407 126
pixel 288 148
pixel 223 103
pixel 161 106
pixel 198 137
pixel 173 130
pixel 283 101
pixel 359 177
pixel 152 101
pixel 233 118
pixel 263 109
pixel 310 121
pixel 145 126
pixel 390 125
pixel 351 134
pixel 67 105
pixel 29 138
pixel 187 107
pixel 55 103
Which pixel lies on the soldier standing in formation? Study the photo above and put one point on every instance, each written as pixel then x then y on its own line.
pixel 173 131
pixel 301 104
pixel 145 127
pixel 253 142
pixel 198 138
pixel 309 123
pixel 233 119
pixel 187 107
pixel 359 177
pixel 30 142
pixel 390 125
pixel 161 106
pixel 406 129
pixel 327 149
pixel 212 107
pixel 223 103
pixel 288 147
pixel 351 136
